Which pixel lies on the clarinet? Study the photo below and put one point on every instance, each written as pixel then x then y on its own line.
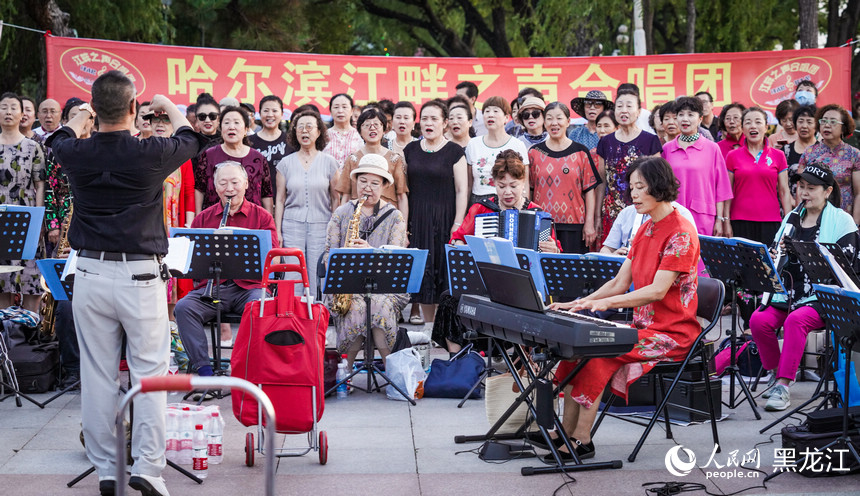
pixel 781 255
pixel 207 293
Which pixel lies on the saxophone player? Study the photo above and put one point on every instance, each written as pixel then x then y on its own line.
pixel 231 181
pixel 367 222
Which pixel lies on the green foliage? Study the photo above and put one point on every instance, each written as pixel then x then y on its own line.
pixel 128 20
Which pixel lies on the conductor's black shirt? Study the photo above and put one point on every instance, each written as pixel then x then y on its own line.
pixel 116 184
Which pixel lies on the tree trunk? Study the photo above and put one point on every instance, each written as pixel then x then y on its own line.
pixel 808 13
pixel 49 16
pixel 842 28
pixel 690 45
pixel 648 25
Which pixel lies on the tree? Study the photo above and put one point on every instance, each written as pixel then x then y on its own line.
pixel 807 11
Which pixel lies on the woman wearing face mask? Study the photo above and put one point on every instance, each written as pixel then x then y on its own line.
pixel 343 139
pixel 617 151
pixel 786 133
pixel 731 127
pixel 843 160
pixel 699 166
pixel 806 93
pixel 803 120
pixel 563 168
pixel 820 220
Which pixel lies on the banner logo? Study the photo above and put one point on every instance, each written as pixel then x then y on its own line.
pixel 676 466
pixel 82 65
pixel 779 81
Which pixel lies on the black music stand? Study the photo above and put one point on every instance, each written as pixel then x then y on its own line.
pixel 572 276
pixel 740 265
pixel 841 314
pixel 819 271
pixel 19 238
pixel 368 272
pixel 224 254
pixel 463 278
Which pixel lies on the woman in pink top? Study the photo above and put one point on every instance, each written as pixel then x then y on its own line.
pixel 700 168
pixel 759 177
pixel 731 130
pixel 343 139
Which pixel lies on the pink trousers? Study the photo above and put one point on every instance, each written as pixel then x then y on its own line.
pixel 764 325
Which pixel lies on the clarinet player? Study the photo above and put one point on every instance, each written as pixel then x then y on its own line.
pixel 118 232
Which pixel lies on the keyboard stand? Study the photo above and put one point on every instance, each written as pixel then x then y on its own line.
pixel 545 367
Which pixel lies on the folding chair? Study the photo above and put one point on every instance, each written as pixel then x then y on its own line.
pixel 711 293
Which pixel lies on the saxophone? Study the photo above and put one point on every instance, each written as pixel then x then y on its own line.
pixel 47 304
pixel 343 302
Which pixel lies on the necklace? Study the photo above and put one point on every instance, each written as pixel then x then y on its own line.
pixel 435 148
pixel 688 139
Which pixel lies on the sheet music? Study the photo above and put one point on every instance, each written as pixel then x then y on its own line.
pixel 178 258
pixel 71 264
pixel 840 274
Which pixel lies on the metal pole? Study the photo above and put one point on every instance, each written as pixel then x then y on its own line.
pixel 638 30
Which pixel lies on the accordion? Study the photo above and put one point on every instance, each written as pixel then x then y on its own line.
pixel 525 228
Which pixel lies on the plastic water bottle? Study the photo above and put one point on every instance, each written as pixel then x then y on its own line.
pixel 215 440
pixel 186 446
pixel 342 391
pixel 172 430
pixel 173 368
pixel 200 465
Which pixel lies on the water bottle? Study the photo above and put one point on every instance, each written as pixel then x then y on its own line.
pixel 173 367
pixel 215 440
pixel 200 465
pixel 172 430
pixel 185 437
pixel 342 391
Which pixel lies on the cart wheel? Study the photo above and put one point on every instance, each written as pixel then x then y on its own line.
pixel 323 447
pixel 249 449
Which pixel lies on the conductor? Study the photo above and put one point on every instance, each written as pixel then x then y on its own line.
pixel 118 232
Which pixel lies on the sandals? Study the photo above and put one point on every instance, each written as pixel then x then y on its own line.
pixel 583 451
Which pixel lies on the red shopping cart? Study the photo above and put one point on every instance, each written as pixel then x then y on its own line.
pixel 280 346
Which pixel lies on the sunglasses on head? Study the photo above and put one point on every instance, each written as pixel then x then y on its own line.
pixel 531 114
pixel 212 116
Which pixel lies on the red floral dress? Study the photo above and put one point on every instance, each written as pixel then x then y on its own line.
pixel 667 328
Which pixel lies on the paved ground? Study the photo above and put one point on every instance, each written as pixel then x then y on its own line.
pixel 378 446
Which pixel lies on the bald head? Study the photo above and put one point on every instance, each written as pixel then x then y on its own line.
pixel 49 114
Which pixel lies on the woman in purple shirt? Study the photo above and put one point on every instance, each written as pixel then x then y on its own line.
pixel 699 166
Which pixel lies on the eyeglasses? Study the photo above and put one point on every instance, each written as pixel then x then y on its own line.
pixel 212 116
pixel 309 127
pixel 831 122
pixel 371 125
pixel 159 118
pixel 534 114
pixel 592 103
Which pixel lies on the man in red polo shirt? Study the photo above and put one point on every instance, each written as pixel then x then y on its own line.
pixel 191 312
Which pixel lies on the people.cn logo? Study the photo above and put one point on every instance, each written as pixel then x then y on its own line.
pixel 678 467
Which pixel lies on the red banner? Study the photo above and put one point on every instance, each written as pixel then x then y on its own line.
pixel 753 78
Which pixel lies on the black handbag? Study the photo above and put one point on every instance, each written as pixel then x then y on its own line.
pixel 454 378
pixel 37 367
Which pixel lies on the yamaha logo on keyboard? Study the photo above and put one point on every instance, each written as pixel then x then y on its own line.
pixel 468 309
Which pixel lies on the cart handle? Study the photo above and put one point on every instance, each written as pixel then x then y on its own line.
pixel 186 382
pixel 270 268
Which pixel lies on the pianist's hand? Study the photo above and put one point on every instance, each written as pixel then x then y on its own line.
pixel 563 306
pixel 621 251
pixel 600 305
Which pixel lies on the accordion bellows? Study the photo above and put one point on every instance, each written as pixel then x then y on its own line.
pixel 525 228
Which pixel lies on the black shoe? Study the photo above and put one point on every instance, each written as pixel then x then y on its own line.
pixel 71 381
pixel 537 440
pixel 583 451
pixel 107 487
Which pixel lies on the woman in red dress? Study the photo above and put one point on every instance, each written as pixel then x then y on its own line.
pixel 661 265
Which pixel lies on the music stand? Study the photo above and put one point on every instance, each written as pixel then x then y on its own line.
pixel 463 278
pixel 569 276
pixel 368 272
pixel 841 314
pixel 746 265
pixel 19 239
pixel 52 271
pixel 224 254
pixel 819 271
